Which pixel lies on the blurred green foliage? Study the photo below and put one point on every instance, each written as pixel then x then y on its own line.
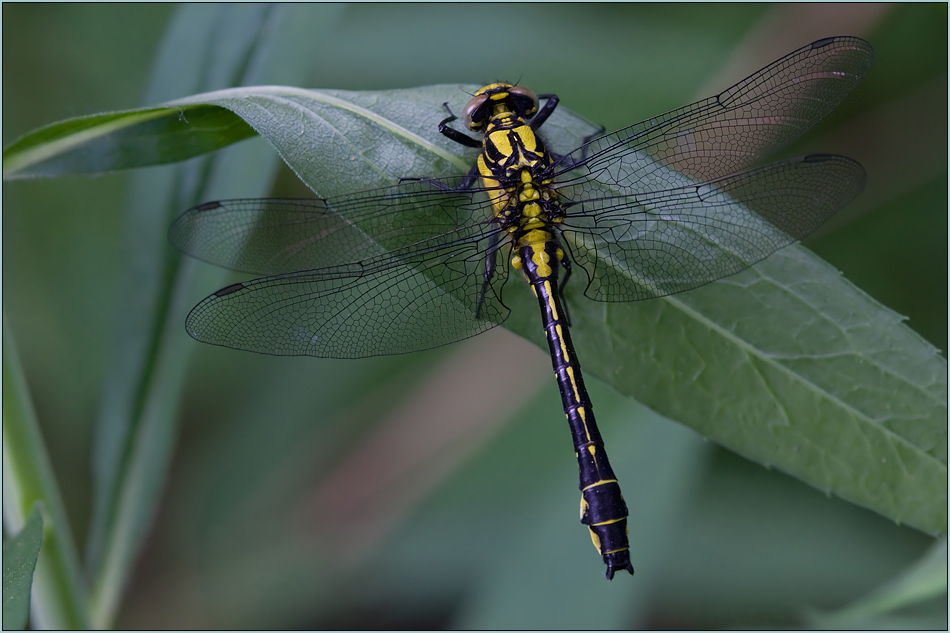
pixel 268 444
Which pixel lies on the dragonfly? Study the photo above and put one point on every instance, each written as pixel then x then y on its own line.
pixel 663 206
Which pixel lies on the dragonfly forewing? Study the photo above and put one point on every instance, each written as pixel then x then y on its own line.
pixel 733 130
pixel 641 246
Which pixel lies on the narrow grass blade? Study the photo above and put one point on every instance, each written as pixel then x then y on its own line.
pixel 19 561
pixel 61 600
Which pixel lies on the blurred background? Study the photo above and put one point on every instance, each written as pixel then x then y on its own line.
pixel 438 490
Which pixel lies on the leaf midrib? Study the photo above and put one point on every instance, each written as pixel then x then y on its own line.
pixel 316 95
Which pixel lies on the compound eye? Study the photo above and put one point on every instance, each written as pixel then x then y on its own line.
pixel 524 100
pixel 474 116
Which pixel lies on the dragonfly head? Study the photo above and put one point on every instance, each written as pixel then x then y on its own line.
pixel 495 99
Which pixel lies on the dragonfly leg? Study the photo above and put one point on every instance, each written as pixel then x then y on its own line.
pixel 543 114
pixel 566 161
pixel 452 133
pixel 566 265
pixel 548 109
pixel 600 130
pixel 470 178
pixel 489 271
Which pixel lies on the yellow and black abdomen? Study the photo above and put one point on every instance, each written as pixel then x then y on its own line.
pixel 512 162
pixel 603 509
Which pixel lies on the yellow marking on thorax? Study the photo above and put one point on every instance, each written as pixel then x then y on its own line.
pixel 489 180
pixel 526 142
pixel 500 199
pixel 529 193
pixel 483 167
pixel 500 140
pixel 532 212
pixel 528 139
pixel 529 196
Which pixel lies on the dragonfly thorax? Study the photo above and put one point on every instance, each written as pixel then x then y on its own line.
pixel 511 166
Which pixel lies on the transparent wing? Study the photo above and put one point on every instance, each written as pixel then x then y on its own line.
pixel 727 133
pixel 271 236
pixel 404 268
pixel 643 245
pixel 410 299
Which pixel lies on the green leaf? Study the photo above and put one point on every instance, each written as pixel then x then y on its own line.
pixel 122 140
pixel 786 363
pixel 19 561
